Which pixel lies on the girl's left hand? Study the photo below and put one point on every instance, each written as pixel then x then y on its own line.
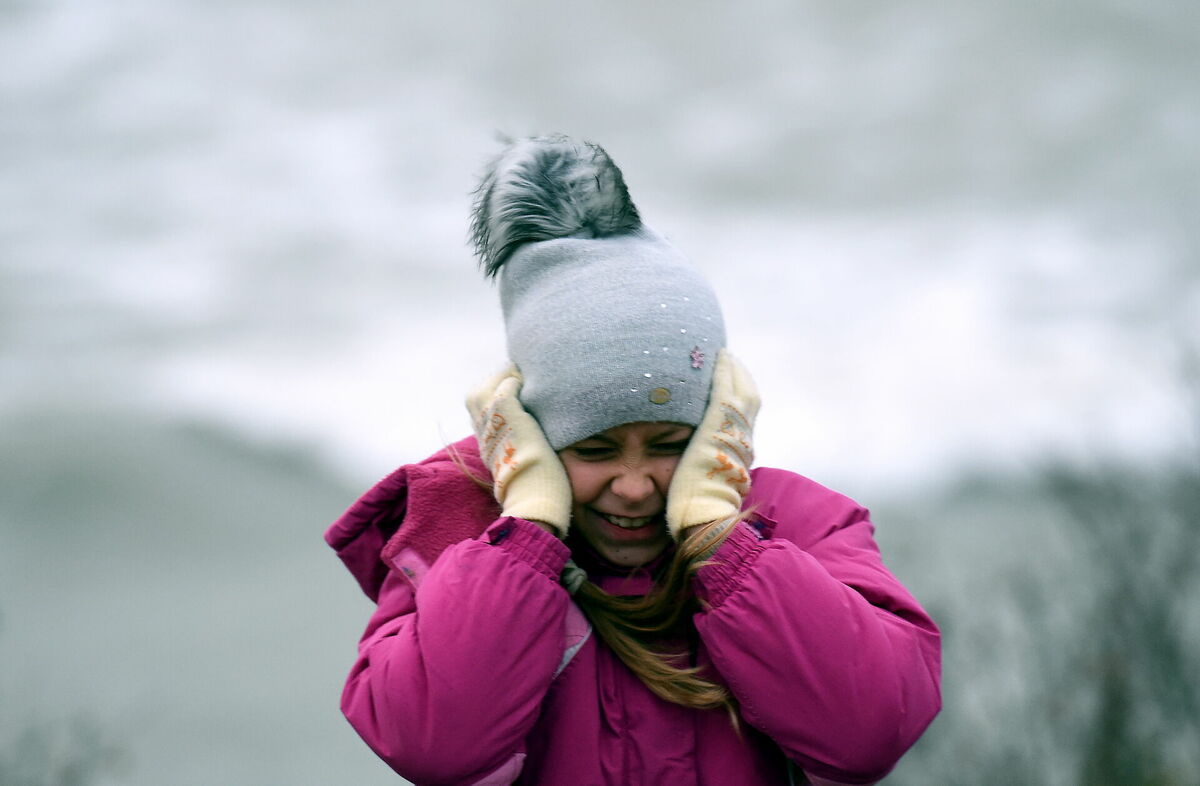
pixel 713 476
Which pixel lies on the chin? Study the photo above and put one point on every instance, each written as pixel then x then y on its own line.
pixel 630 555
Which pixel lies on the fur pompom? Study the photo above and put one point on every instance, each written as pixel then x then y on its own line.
pixel 545 188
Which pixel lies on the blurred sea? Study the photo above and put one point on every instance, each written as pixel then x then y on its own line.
pixel 957 245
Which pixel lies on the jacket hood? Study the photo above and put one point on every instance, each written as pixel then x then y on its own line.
pixel 424 507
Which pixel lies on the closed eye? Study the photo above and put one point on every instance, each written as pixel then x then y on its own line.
pixel 673 447
pixel 596 453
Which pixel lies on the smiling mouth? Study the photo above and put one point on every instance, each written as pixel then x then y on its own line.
pixel 625 522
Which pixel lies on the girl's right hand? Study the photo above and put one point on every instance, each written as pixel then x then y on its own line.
pixel 528 480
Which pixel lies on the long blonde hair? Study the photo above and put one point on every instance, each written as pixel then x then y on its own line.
pixel 641 630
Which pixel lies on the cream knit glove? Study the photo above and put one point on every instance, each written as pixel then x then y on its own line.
pixel 713 475
pixel 528 480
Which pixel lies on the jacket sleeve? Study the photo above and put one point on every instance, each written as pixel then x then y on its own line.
pixel 450 677
pixel 822 647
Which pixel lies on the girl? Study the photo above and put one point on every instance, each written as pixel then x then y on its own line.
pixel 597 588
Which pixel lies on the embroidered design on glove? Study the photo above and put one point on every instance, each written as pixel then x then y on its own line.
pixel 734 434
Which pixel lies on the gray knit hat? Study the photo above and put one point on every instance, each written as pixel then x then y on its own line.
pixel 608 323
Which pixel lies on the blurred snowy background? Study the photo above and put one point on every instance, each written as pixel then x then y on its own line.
pixel 957 245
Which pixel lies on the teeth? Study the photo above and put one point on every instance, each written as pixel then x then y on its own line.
pixel 626 523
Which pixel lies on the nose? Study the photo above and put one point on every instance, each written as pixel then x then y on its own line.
pixel 633 484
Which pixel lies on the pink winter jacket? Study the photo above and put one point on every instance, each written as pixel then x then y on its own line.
pixel 477 668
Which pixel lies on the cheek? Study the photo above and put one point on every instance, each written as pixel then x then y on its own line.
pixel 664 473
pixel 584 480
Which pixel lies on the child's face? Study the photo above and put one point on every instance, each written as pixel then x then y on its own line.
pixel 619 481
